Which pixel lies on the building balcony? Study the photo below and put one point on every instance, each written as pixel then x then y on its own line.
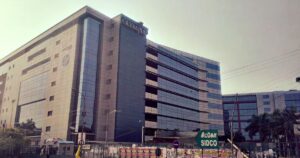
pixel 150 124
pixel 150 110
pixel 150 96
pixel 150 56
pixel 151 69
pixel 151 83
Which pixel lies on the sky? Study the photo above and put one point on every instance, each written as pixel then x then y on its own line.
pixel 257 42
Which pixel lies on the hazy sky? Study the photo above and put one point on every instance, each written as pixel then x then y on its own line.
pixel 257 42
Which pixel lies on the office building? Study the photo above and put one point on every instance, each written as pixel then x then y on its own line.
pixel 243 106
pixel 101 76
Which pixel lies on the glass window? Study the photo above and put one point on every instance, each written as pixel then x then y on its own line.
pixel 53 83
pixel 177 76
pixel 49 113
pixel 267 109
pixel 215 106
pixel 247 98
pixel 266 103
pixel 229 106
pixel 168 85
pixel 51 98
pixel 214 96
pixel 266 96
pixel 248 112
pixel 229 98
pixel 177 65
pixel 292 96
pixel 217 127
pixel 48 128
pixel 34 89
pixel 213 76
pixel 215 116
pixel 212 66
pixel 88 72
pixel 54 69
pixel 177 112
pixel 171 124
pixel 213 86
pixel 245 117
pixel 247 106
pixel 177 100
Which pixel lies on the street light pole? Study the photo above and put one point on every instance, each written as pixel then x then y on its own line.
pixel 143 128
pixel 297 145
pixel 143 131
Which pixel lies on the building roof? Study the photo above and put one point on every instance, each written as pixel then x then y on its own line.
pixel 262 93
pixel 48 33
pixel 183 53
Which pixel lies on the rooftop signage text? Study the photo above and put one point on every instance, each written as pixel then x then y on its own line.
pixel 139 28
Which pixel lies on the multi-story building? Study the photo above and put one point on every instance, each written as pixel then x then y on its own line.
pixel 182 91
pixel 239 108
pixel 100 76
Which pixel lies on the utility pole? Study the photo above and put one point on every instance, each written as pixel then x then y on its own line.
pixel 296 136
pixel 231 128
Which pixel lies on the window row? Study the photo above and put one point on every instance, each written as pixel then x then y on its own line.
pixel 173 124
pixel 214 96
pixel 177 112
pixel 177 100
pixel 214 86
pixel 177 76
pixel 215 116
pixel 212 66
pixel 168 85
pixel 177 65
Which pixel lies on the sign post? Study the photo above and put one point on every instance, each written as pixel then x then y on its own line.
pixel 207 139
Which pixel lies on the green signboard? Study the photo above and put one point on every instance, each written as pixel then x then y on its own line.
pixel 207 139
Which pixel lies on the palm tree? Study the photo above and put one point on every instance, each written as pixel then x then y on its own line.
pixel 278 127
pixel 259 125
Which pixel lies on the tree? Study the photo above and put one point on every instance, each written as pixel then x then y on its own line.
pixel 278 127
pixel 28 128
pixel 259 124
pixel 12 141
pixel 238 137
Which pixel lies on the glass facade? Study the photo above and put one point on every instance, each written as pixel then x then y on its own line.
pixel 130 85
pixel 212 66
pixel 88 74
pixel 242 109
pixel 34 111
pixel 177 65
pixel 176 107
pixel 292 101
pixel 177 112
pixel 34 89
pixel 215 116
pixel 177 100
pixel 213 86
pixel 33 98
pixel 213 76
pixel 177 76
pixel 172 124
pixel 214 96
pixel 215 106
pixel 171 86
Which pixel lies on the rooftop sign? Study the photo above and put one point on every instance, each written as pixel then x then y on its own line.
pixel 138 27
